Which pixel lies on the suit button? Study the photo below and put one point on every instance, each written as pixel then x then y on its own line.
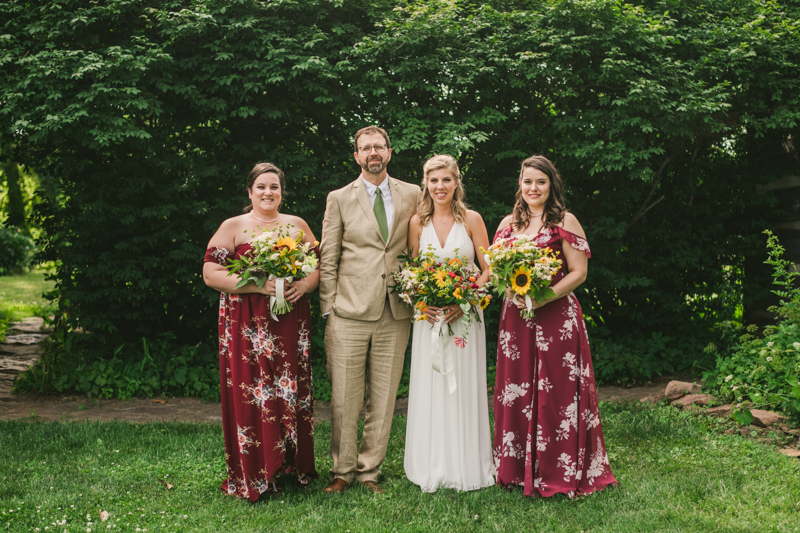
pixel 383 276
pixel 387 250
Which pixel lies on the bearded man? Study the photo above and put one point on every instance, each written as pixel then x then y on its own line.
pixel 364 230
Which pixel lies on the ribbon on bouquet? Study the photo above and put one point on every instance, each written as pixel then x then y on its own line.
pixel 442 354
pixel 279 300
pixel 528 302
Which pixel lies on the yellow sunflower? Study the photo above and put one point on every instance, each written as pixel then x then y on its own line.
pixel 440 276
pixel 288 242
pixel 484 303
pixel 521 280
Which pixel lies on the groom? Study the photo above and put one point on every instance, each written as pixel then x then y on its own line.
pixel 364 230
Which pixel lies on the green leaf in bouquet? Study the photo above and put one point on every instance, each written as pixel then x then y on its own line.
pixel 544 293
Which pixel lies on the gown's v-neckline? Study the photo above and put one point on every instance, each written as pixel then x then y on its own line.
pixel 446 239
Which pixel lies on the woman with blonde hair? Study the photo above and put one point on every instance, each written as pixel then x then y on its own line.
pixel 448 440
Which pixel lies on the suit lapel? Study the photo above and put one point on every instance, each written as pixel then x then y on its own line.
pixel 363 199
pixel 397 203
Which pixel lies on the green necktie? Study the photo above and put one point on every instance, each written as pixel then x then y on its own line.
pixel 380 214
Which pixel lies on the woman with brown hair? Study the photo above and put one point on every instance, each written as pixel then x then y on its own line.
pixel 448 440
pixel 547 432
pixel 265 364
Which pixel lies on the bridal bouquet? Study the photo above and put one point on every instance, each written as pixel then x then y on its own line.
pixel 283 259
pixel 517 263
pixel 423 281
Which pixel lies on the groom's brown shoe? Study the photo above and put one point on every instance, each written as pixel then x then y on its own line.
pixel 372 486
pixel 337 486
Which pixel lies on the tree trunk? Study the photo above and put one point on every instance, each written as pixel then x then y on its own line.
pixel 16 204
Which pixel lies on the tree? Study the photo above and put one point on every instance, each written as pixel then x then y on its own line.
pixel 148 115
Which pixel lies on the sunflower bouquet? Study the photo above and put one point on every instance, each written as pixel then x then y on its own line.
pixel 283 258
pixel 425 282
pixel 517 263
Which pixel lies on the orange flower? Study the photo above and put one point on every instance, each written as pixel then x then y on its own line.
pixel 456 262
pixel 422 306
pixel 472 279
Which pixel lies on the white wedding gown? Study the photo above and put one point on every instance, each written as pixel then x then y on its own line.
pixel 448 440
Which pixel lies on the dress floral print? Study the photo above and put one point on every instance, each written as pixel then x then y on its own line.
pixel 548 437
pixel 265 379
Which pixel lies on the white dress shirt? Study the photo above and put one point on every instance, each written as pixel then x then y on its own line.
pixel 386 191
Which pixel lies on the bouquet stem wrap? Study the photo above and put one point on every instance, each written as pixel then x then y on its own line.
pixel 529 305
pixel 278 304
pixel 442 355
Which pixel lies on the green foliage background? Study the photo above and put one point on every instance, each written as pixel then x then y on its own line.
pixel 147 116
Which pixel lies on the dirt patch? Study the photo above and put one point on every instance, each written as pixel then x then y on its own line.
pixel 22 349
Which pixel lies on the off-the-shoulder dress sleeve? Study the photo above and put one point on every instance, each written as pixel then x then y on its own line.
pixel 577 242
pixel 217 255
pixel 503 233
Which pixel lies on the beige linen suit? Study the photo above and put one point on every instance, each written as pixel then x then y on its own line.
pixel 367 331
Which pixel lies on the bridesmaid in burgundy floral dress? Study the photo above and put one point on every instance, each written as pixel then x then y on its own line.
pixel 265 365
pixel 547 432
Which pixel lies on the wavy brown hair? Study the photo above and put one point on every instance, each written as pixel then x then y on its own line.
pixel 263 168
pixel 554 208
pixel 425 206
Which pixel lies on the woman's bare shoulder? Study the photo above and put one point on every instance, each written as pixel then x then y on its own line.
pixel 506 222
pixel 571 224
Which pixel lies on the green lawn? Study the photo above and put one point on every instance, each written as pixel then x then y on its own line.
pixel 21 296
pixel 675 476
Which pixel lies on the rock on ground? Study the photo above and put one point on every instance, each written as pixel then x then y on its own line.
pixel 766 418
pixel 692 399
pixel 678 389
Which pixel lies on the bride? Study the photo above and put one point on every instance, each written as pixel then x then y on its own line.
pixel 448 440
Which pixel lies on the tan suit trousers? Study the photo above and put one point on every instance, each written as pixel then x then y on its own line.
pixel 362 353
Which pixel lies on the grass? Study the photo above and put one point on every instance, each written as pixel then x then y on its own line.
pixel 21 296
pixel 674 474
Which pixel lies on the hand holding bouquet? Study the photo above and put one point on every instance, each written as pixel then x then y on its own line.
pixel 423 281
pixel 283 259
pixel 527 270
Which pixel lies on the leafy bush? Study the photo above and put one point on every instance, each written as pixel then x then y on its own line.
pixel 763 371
pixel 74 361
pixel 17 251
pixel 636 359
pixel 148 152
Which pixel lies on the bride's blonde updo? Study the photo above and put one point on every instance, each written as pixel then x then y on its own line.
pixel 425 206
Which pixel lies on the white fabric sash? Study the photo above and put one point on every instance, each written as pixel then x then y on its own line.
pixel 279 300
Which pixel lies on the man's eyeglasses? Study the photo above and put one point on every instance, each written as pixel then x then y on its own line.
pixel 380 148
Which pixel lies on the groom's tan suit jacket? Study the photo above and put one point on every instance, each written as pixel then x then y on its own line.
pixel 356 264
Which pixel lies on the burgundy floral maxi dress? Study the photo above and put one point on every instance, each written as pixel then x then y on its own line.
pixel 265 382
pixel 547 432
